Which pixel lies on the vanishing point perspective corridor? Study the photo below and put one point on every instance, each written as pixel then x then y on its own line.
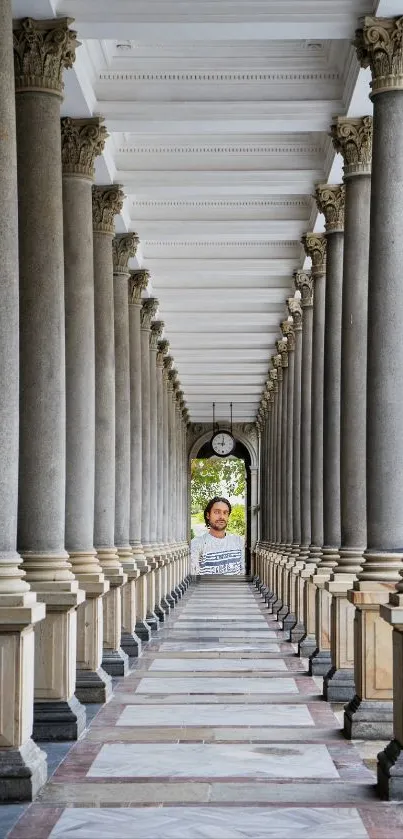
pixel 218 731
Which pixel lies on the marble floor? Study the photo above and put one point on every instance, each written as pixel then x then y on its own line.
pixel 218 732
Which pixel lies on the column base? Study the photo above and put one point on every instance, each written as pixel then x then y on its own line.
pixel 282 613
pixel 23 772
pixel 339 685
pixel 161 614
pixel 288 623
pixel 152 621
pixel 179 592
pixel 320 663
pixel 58 720
pixel 165 606
pixel 174 596
pixel 276 606
pixel 307 646
pixel 115 662
pixel 143 630
pixel 171 601
pixel 368 719
pixel 130 644
pixel 297 633
pixel 390 772
pixel 93 686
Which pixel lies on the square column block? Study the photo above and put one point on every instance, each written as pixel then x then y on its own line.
pixel 93 684
pixel 114 660
pixel 338 685
pixel 130 642
pixel 369 714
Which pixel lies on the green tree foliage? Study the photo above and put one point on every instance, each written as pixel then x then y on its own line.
pixel 216 476
pixel 237 523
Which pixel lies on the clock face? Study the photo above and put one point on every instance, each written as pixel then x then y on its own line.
pixel 223 443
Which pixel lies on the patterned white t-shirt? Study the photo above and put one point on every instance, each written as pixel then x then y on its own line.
pixel 212 555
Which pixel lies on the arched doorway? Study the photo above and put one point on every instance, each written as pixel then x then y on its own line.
pixel 204 451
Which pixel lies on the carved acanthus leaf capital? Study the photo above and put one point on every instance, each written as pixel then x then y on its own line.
pixel 303 281
pixel 352 137
pixel 274 378
pixel 168 363
pixel 295 310
pixel 287 329
pixel 138 282
pixel 124 247
pixel 148 311
pixel 42 50
pixel 162 350
pixel 315 247
pixel 282 349
pixel 157 328
pixel 330 201
pixel 107 202
pixel 379 45
pixel 82 141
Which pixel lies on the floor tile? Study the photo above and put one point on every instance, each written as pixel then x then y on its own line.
pixel 256 715
pixel 227 685
pixel 217 664
pixel 201 760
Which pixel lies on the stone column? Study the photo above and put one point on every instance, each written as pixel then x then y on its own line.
pixel 157 328
pixel 106 203
pixel 353 138
pixel 149 308
pixel 379 45
pixel 273 461
pixel 162 349
pixel 168 362
pixel 289 619
pixel 137 283
pixel 173 488
pixel 296 602
pixel 42 49
pixel 330 201
pixel 124 247
pixel 277 603
pixel 22 764
pixel 282 349
pixel 82 141
pixel 315 247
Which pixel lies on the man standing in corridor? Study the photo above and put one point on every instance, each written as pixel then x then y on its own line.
pixel 217 552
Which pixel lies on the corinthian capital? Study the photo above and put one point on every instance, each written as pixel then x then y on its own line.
pixel 273 374
pixel 107 202
pixel 162 350
pixel 148 311
pixel 282 349
pixel 138 282
pixel 315 247
pixel 82 141
pixel 287 329
pixel 331 201
pixel 379 45
pixel 295 310
pixel 303 281
pixel 124 246
pixel 157 328
pixel 42 50
pixel 352 137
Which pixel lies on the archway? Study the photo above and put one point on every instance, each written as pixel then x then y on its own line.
pixel 202 449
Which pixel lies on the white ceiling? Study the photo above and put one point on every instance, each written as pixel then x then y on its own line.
pixel 218 113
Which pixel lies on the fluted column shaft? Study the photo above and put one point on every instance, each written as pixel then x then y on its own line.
pixel 19 610
pixel 42 453
pixel 148 311
pixel 88 137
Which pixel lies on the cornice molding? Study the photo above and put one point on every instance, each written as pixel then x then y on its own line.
pixel 236 78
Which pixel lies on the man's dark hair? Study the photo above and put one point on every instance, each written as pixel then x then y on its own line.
pixel 211 503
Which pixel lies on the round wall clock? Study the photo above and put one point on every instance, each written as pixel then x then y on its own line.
pixel 222 443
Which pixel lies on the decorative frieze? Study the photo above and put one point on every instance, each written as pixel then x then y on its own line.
pixel 42 50
pixel 82 141
pixel 138 282
pixel 295 309
pixel 107 202
pixel 315 247
pixel 148 311
pixel 379 45
pixel 330 200
pixel 124 247
pixel 352 138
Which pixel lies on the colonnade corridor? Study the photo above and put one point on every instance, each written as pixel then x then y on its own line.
pixel 217 731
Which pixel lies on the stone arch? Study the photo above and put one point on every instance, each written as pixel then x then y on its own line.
pixel 239 435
